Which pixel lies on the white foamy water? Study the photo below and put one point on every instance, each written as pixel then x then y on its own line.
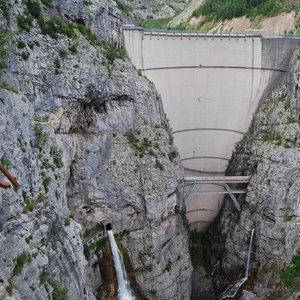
pixel 124 290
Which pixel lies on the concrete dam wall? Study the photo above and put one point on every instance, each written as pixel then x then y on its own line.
pixel 211 84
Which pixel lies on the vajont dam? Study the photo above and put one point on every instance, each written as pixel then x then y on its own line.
pixel 211 85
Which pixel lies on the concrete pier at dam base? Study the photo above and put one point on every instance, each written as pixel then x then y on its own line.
pixel 211 85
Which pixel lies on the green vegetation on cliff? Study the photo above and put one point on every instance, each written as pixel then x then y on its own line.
pixel 228 9
pixel 4 41
pixel 154 24
pixel 291 275
pixel 58 293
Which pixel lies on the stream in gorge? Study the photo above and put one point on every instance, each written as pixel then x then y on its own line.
pixel 231 291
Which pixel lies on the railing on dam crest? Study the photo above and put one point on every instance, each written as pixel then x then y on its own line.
pixel 197 33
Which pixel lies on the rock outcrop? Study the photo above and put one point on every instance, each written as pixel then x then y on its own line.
pixel 151 9
pixel 87 138
pixel 270 154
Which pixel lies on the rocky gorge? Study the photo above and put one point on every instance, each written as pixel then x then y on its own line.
pixel 86 137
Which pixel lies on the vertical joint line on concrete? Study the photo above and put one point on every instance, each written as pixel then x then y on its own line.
pixel 232 197
pixel 142 53
pixel 166 36
pixel 197 35
pixel 173 35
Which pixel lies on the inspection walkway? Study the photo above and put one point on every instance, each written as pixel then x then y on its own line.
pixel 219 180
pixel 99 235
pixel 216 179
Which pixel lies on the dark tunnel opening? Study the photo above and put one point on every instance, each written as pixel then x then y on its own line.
pixel 108 226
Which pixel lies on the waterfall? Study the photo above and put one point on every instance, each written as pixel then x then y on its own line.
pixel 249 254
pixel 233 289
pixel 124 290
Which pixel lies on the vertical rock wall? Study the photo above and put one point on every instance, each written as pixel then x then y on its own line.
pixel 86 137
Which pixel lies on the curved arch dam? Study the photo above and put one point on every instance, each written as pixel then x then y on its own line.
pixel 211 85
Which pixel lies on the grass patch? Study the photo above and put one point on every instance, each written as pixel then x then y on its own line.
pixel 21 45
pixel 46 182
pixel 124 7
pixel 30 205
pixel 288 218
pixel 57 159
pixel 5 39
pixel 86 252
pixel 291 275
pixel 122 234
pixel 28 239
pixel 273 137
pixel 172 155
pixel 67 222
pixel 58 292
pixel 8 87
pixel 73 49
pixel 111 52
pixel 47 2
pixel 6 163
pixel 54 26
pixel 40 135
pixel 24 21
pixel 21 260
pixel 63 53
pixel 101 291
pixel 34 8
pixel 25 55
pixel 93 230
pixel 291 120
pixel 155 24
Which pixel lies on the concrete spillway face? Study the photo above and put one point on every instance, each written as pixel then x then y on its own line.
pixel 210 86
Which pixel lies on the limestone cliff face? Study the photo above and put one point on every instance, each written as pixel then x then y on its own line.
pixel 87 138
pixel 270 154
pixel 151 9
